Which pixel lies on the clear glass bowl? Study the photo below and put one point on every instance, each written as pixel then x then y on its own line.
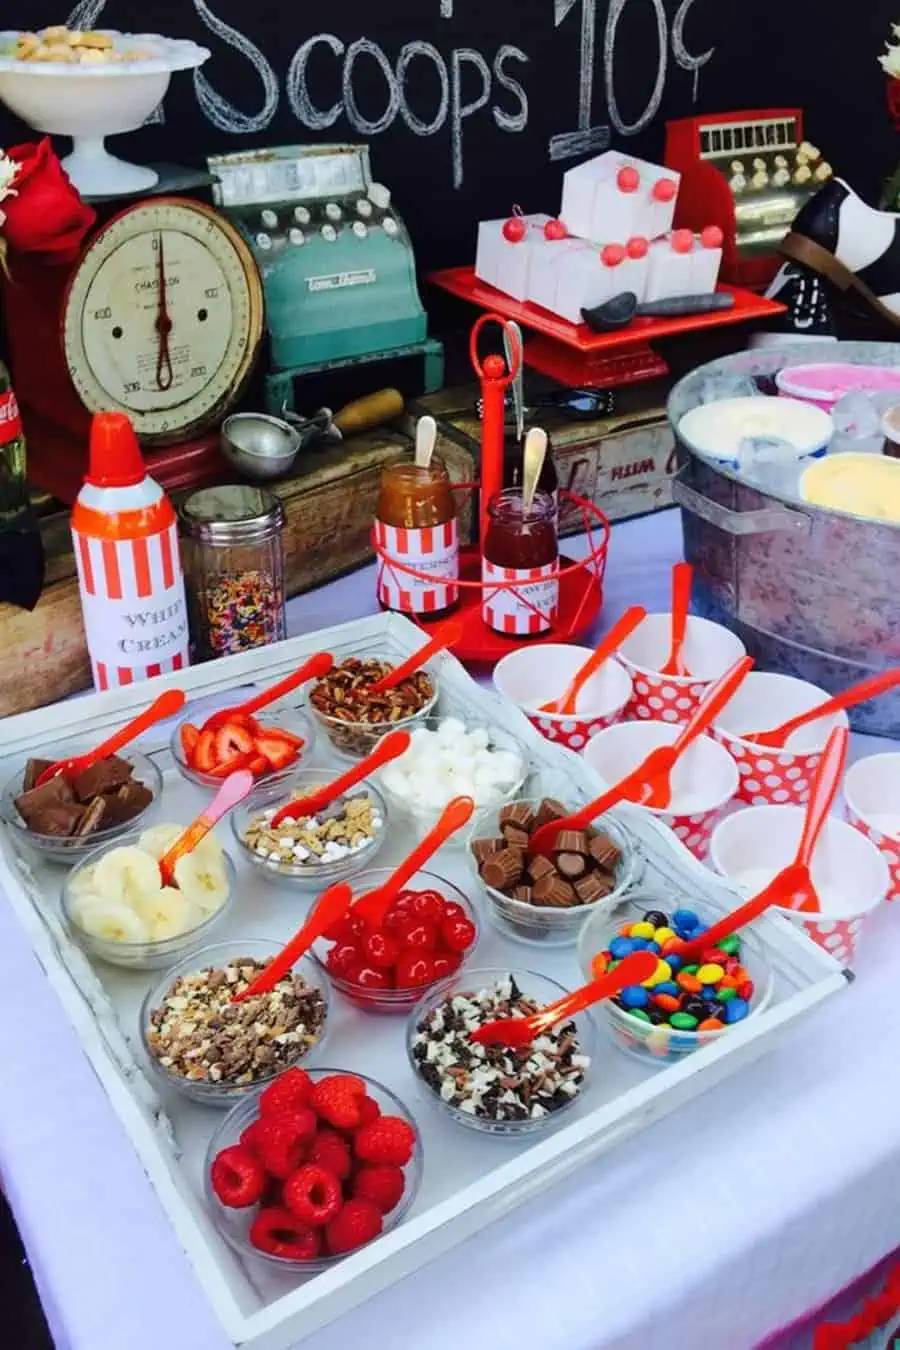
pixel 534 985
pixel 235 1224
pixel 290 718
pixel 664 1044
pixel 68 850
pixel 137 955
pixel 524 922
pixel 355 740
pixel 224 1094
pixel 422 817
pixel 393 1000
pixel 307 875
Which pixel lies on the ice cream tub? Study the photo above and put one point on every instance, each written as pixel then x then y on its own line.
pixel 856 483
pixel 716 430
pixel 823 384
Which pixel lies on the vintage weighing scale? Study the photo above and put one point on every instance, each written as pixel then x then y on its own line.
pixel 749 173
pixel 336 262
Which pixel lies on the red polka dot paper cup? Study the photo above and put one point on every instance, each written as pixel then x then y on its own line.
pixel 703 781
pixel 872 795
pixel 775 777
pixel 709 650
pixel 534 675
pixel 848 872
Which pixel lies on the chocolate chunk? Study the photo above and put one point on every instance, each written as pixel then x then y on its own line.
pixel 91 819
pixel 572 841
pixel 55 793
pixel 522 893
pixel 515 837
pixel 502 870
pixel 124 803
pixel 593 887
pixel 571 865
pixel 604 852
pixel 33 770
pixel 101 777
pixel 540 866
pixel 483 848
pixel 550 809
pixel 554 891
pixel 517 813
pixel 56 819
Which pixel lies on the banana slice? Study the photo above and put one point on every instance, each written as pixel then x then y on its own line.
pixel 110 920
pixel 167 914
pixel 203 880
pixel 82 883
pixel 127 875
pixel 158 839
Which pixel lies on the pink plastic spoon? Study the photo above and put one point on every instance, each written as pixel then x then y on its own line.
pixel 233 790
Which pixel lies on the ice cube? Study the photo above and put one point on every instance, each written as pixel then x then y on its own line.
pixel 769 462
pixel 857 422
pixel 716 387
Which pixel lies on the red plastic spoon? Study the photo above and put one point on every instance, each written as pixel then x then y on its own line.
pixel 374 905
pixel 168 703
pixel 331 906
pixel 313 669
pixel 793 887
pixel 659 763
pixel 232 791
pixel 620 630
pixel 517 1032
pixel 447 637
pixel 394 744
pixel 777 738
pixel 629 788
pixel 682 575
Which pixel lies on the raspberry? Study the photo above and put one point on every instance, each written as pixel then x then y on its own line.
pixel 331 1151
pixel 384 1186
pixel 237 1177
pixel 369 1110
pixel 386 1140
pixel 358 1222
pixel 281 1142
pixel 290 1089
pixel 276 1231
pixel 338 1099
pixel 313 1195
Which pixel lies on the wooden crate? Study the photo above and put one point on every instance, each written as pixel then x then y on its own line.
pixel 329 506
pixel 623 463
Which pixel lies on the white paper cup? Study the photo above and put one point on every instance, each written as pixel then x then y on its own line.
pixel 775 777
pixel 534 675
pixel 872 794
pixel 709 650
pixel 849 873
pixel 703 781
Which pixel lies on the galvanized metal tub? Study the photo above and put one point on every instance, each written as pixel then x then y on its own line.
pixel 812 593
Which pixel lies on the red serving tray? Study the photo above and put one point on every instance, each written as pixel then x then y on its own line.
pixel 574 355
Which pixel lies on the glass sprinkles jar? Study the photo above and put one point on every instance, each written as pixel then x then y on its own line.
pixel 234 568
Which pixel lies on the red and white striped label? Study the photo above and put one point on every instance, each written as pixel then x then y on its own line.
pixel 435 551
pixel 133 602
pixel 521 610
pixel 10 418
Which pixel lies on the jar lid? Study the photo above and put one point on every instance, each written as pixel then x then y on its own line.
pixel 232 514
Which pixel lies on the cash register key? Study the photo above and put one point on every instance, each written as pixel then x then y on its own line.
pixel 780 162
pixel 329 233
pixel 302 215
pixel 803 174
pixel 269 219
pixel 379 196
pixel 296 236
pixel 737 166
pixel 759 179
pixel 809 151
pixel 333 211
pixel 263 241
pixel 758 165
pixel 823 172
pixel 780 177
pixel 737 182
pixel 390 226
pixel 359 229
pixel 364 208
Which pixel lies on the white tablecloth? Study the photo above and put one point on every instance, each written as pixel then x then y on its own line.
pixel 714 1227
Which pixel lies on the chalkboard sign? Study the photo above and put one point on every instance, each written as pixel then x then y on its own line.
pixel 471 106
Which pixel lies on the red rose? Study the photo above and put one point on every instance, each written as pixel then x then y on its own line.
pixel 44 214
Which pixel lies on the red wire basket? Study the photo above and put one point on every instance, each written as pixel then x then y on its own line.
pixel 580 587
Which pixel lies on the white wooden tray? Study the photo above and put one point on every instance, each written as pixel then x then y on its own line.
pixel 470 1179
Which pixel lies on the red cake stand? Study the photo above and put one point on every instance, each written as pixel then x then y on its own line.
pixel 575 356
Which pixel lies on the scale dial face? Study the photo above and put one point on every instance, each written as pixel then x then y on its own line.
pixel 164 318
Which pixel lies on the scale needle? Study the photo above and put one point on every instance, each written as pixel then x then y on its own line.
pixel 163 325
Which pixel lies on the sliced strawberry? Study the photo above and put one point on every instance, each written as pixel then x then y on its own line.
pixel 296 741
pixel 277 752
pixel 204 760
pixel 232 740
pixel 258 766
pixel 190 735
pixel 231 765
